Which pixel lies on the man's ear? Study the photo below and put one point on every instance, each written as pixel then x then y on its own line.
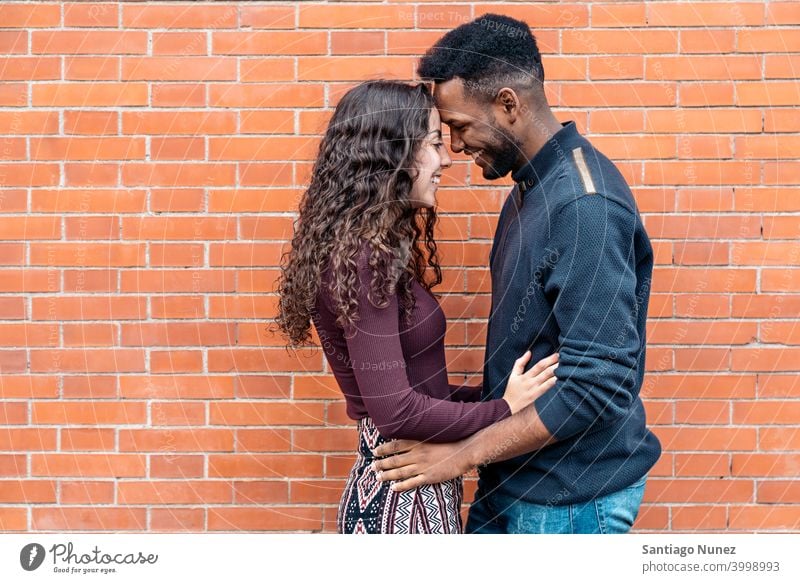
pixel 508 102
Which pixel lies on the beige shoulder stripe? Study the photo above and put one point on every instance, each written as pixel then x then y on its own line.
pixel 586 177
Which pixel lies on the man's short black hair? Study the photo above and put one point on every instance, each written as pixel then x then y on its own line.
pixel 486 53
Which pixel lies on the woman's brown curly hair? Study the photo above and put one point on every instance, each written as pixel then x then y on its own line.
pixel 359 193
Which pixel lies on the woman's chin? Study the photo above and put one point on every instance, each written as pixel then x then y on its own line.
pixel 426 203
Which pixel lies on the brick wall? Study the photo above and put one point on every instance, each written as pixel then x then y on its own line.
pixel 153 155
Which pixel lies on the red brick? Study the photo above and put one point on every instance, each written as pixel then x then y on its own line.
pixel 704 280
pixel 174 492
pixel 87 492
pixel 178 94
pixel 178 413
pixel 26 438
pixel 90 386
pixel 266 414
pixel 771 94
pixel 89 439
pixel 358 43
pixel 178 15
pixel 177 519
pixel 94 15
pixel 698 518
pixel 356 16
pixel 301 518
pixel 697 68
pixel 705 94
pixel 705 15
pixel 707 439
pixel 176 466
pixel 89 95
pixel 88 465
pixel 353 68
pixel 93 42
pixel 263 440
pixel 761 518
pixel 270 43
pixel 88 518
pixel 179 43
pixel 264 465
pixel 77 413
pixel 778 491
pixel 266 16
pixel 765 412
pixel 702 412
pixel 618 15
pixel 713 491
pixel 773 360
pixel 30 15
pixel 177 387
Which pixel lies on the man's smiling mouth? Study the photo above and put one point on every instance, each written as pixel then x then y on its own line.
pixel 474 155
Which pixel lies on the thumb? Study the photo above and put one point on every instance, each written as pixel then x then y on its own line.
pixel 519 364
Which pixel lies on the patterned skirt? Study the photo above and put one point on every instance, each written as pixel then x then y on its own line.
pixel 370 507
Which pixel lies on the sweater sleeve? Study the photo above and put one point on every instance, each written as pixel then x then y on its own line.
pixel 465 393
pixel 591 289
pixel 379 367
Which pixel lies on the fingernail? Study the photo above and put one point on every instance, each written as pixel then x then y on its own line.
pixel 393 487
pixel 378 476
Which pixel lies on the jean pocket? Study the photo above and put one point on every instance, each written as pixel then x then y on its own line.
pixel 618 511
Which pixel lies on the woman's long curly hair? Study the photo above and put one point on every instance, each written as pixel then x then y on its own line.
pixel 359 193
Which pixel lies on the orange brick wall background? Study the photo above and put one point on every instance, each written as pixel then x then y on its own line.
pixel 152 158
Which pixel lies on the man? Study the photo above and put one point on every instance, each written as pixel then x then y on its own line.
pixel 571 266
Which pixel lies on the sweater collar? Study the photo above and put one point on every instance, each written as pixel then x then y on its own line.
pixel 548 157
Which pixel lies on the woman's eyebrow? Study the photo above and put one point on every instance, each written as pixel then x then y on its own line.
pixel 439 132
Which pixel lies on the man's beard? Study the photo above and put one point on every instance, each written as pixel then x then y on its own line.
pixel 505 154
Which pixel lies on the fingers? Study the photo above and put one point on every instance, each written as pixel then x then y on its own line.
pixel 519 364
pixel 391 462
pixel 547 373
pixel 394 447
pixel 404 473
pixel 410 484
pixel 547 384
pixel 543 365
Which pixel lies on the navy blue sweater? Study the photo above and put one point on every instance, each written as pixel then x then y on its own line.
pixel 571 269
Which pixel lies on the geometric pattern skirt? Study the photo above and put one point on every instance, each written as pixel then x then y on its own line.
pixel 371 507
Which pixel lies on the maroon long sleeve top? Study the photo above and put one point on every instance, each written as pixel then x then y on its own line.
pixel 396 373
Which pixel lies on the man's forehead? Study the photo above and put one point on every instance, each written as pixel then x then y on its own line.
pixel 449 98
pixel 449 89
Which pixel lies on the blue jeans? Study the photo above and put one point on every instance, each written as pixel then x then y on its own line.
pixel 610 514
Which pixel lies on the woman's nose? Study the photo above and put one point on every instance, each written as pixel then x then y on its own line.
pixel 446 161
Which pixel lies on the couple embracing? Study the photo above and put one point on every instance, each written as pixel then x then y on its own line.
pixel 557 429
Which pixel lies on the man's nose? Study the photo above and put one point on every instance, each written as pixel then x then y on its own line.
pixel 455 143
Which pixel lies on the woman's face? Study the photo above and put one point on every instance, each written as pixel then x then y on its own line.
pixel 431 159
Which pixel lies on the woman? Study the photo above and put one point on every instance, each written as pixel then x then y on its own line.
pixel 361 266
